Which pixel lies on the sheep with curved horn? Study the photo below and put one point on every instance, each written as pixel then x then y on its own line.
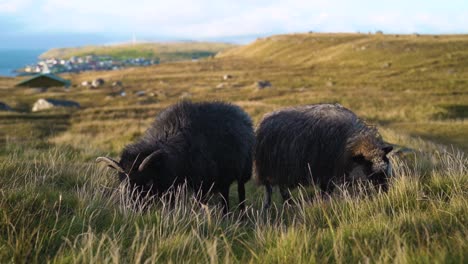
pixel 206 145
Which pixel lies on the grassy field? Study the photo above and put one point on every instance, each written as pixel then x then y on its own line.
pixel 165 52
pixel 56 205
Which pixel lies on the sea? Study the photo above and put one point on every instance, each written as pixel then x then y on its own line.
pixel 12 59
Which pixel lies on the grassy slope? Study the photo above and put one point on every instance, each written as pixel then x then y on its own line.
pixel 56 204
pixel 164 51
pixel 414 83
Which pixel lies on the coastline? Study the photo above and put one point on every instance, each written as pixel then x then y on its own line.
pixel 14 59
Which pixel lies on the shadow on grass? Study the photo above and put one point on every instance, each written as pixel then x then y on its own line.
pixel 453 112
pixel 34 130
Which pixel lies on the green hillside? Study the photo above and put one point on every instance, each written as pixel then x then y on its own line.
pixel 164 51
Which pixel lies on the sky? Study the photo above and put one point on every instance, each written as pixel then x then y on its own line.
pixel 56 23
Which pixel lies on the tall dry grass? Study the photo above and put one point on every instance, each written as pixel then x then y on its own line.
pixel 56 208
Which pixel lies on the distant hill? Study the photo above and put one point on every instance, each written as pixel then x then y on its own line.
pixel 354 49
pixel 164 51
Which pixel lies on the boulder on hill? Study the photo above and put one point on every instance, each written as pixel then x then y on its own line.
pixel 97 82
pixel 45 104
pixel 117 84
pixel 387 65
pixel 4 107
pixel 330 83
pixel 263 84
pixel 140 93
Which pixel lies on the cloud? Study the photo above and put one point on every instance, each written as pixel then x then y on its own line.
pixel 178 17
pixel 13 6
pixel 207 18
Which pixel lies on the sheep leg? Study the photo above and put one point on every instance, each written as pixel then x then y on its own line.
pixel 268 192
pixel 225 199
pixel 285 194
pixel 241 193
pixel 326 190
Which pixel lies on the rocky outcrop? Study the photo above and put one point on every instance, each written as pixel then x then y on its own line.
pixel 45 104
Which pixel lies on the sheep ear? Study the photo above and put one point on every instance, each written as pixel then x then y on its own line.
pixel 151 157
pixel 387 149
pixel 111 163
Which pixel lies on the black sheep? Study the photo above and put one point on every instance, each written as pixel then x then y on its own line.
pixel 207 145
pixel 321 144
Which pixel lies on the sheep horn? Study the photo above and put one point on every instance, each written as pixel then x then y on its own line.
pixel 387 149
pixel 389 171
pixel 148 159
pixel 111 163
